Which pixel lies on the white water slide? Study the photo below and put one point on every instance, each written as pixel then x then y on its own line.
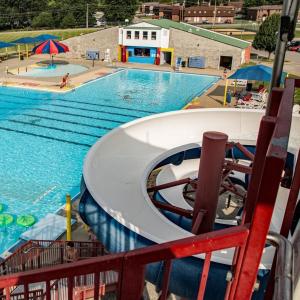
pixel 117 167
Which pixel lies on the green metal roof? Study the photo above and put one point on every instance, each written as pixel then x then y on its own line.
pixel 142 28
pixel 222 38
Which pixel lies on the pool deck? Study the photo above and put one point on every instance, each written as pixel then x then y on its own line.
pixel 213 97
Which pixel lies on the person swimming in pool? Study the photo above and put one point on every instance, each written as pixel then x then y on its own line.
pixel 64 80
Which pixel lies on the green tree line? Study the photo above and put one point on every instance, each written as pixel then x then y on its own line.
pixel 16 14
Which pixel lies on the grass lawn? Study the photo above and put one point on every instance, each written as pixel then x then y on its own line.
pixel 297 96
pixel 61 33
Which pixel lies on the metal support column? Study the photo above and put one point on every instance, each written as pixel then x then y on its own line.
pixel 209 179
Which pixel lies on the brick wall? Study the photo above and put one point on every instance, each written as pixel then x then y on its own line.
pixel 186 44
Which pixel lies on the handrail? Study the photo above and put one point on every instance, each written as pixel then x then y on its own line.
pixel 40 253
pixel 127 262
pixel 284 266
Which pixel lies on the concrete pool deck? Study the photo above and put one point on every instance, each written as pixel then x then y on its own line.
pixel 209 99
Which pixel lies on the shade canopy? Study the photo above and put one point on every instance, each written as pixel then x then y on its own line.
pixel 6 45
pixel 45 37
pixel 258 73
pixel 25 40
pixel 50 47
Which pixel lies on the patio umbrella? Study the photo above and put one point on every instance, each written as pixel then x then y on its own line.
pixel 50 47
pixel 258 73
pixel 24 41
pixel 45 37
pixel 6 45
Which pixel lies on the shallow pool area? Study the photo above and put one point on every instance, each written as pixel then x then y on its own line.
pixel 52 70
pixel 45 136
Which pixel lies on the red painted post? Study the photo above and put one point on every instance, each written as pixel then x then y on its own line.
pixel 209 178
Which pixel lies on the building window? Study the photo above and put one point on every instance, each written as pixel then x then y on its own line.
pixel 194 11
pixel 189 11
pixel 145 35
pixel 145 52
pixel 153 35
pixel 205 11
pixel 136 35
pixel 128 35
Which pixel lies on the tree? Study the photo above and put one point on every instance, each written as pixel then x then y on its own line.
pixel 189 3
pixel 44 19
pixel 266 37
pixel 68 21
pixel 119 10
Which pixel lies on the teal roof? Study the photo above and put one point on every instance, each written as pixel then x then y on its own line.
pixel 222 38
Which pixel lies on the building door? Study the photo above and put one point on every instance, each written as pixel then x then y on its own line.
pixel 167 57
pixel 226 62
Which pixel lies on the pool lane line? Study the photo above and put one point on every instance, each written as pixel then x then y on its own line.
pixel 105 105
pixel 42 101
pixel 45 137
pixel 67 121
pixel 92 110
pixel 76 115
pixel 72 107
pixel 54 128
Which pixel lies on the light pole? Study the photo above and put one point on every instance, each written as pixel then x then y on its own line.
pixel 215 14
pixel 87 16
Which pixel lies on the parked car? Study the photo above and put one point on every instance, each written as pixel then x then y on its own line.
pixel 293 45
pixel 295 48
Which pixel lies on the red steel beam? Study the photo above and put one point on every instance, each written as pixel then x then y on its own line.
pixel 229 165
pixel 244 150
pixel 266 195
pixel 292 201
pixel 267 125
pixel 174 209
pixel 204 276
pixel 169 184
pixel 209 178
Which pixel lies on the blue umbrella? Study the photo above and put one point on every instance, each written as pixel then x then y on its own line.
pixel 6 45
pixel 258 73
pixel 45 37
pixel 25 40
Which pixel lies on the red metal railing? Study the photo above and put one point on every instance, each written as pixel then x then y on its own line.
pixel 37 254
pixel 34 295
pixel 126 269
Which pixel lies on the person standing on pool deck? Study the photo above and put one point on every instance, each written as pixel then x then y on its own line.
pixel 64 80
pixel 71 253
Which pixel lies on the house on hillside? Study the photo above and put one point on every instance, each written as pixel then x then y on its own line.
pixel 260 13
pixel 209 14
pixel 161 41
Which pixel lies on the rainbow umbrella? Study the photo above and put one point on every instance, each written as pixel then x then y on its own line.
pixel 50 47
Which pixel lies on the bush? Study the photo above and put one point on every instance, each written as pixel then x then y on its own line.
pixel 44 19
pixel 68 21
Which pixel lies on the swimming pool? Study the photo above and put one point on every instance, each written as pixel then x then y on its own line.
pixel 45 136
pixel 53 70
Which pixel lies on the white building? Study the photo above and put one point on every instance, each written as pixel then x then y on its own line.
pixel 143 42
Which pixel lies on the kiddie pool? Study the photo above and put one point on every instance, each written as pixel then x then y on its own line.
pixel 53 70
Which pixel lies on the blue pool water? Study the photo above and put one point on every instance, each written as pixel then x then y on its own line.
pixel 54 70
pixel 45 136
